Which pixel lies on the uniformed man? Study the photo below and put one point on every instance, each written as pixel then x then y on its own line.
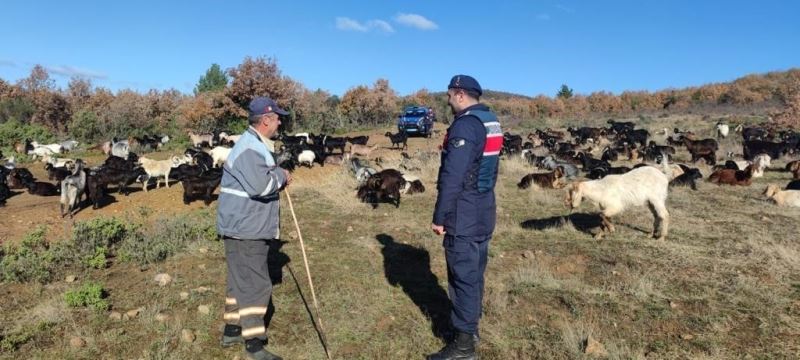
pixel 465 208
pixel 248 218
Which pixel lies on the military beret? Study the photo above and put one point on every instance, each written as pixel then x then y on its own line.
pixel 465 82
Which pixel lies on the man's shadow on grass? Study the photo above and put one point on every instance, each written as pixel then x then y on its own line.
pixel 410 267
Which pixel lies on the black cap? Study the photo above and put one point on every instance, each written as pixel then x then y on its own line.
pixel 465 82
pixel 264 105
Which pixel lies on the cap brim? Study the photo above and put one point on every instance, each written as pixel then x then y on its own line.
pixel 280 111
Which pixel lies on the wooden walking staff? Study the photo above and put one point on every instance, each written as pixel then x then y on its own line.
pixel 308 272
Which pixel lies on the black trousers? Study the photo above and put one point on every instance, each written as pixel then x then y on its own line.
pixel 248 286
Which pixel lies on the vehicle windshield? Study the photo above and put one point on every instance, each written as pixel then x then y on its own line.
pixel 415 113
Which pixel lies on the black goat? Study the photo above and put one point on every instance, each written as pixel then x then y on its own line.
pixel 601 172
pixel 56 173
pixel 5 193
pixel 618 127
pixel 18 177
pixel 755 147
pixel 590 163
pixel 360 140
pixel 635 137
pixel 688 178
pixel 201 185
pixel 331 143
pixel 793 185
pixel 42 188
pixel 398 139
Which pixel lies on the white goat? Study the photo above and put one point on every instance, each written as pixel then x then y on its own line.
pixel 306 157
pixel 199 138
pixel 224 136
pixel 305 135
pixel 56 162
pixel 10 163
pixel 120 149
pixel 614 193
pixel 40 151
pixel 722 130
pixel 69 145
pixel 159 168
pixel 761 162
pixel 219 154
pixel 783 197
pixel 72 188
pixel 55 148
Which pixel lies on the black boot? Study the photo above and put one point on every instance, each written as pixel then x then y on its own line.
pixel 461 348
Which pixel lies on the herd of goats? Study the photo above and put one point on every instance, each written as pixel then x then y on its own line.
pixel 586 152
pixel 199 168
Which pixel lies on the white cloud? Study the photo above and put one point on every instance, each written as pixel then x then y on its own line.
pixel 73 71
pixel 543 17
pixel 348 24
pixel 380 25
pixel 416 21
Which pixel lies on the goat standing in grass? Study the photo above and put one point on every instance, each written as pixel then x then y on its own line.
pixel 615 193
pixel 72 188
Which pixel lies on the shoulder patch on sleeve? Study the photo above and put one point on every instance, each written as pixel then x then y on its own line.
pixel 457 142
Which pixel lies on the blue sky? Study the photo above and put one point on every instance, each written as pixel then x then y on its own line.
pixel 526 47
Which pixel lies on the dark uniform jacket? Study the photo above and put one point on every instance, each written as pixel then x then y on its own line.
pixel 469 156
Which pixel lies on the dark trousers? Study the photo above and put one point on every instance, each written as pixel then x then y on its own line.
pixel 248 286
pixel 466 264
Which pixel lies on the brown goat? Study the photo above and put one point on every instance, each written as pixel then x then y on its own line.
pixel 793 166
pixel 549 180
pixel 733 177
pixel 702 149
pixel 382 186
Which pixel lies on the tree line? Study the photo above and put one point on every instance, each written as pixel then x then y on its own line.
pixel 219 101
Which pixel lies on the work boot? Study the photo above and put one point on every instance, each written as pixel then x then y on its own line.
pixel 461 348
pixel 254 348
pixel 232 335
pixel 262 354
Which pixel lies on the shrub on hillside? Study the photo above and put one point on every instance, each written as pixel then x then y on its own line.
pixel 13 131
pixel 94 239
pixel 166 239
pixel 90 295
pixel 32 260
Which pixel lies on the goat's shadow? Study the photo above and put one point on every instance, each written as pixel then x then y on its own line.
pixel 583 222
pixel 586 223
pixel 410 267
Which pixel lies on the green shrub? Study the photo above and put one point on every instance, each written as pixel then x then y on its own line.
pixel 167 238
pixel 91 295
pixel 85 126
pixel 13 131
pixel 12 341
pixel 31 260
pixel 101 232
pixel 98 261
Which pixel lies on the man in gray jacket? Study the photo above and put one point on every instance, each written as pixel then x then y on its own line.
pixel 248 218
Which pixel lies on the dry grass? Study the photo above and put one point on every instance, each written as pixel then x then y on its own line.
pixel 725 283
